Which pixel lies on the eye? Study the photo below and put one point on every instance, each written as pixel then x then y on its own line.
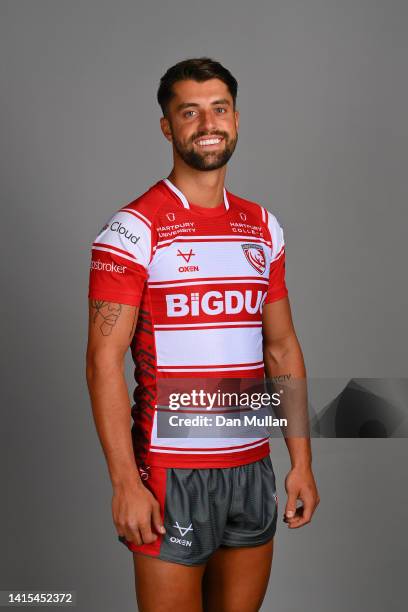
pixel 186 114
pixel 220 108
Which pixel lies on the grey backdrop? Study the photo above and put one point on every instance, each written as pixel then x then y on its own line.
pixel 323 143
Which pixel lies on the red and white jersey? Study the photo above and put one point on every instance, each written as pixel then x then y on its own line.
pixel 200 277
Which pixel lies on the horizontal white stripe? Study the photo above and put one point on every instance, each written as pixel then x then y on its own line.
pixel 99 248
pixel 207 347
pixel 228 238
pixel 208 369
pixel 138 214
pixel 221 450
pixel 227 281
pixel 213 259
pixel 223 324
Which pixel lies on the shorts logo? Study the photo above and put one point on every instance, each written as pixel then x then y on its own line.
pixel 183 531
pixel 171 216
pixel 174 540
pixel 255 256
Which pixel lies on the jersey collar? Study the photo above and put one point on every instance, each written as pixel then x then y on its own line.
pixel 183 198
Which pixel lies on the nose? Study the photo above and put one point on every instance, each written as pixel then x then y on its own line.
pixel 207 120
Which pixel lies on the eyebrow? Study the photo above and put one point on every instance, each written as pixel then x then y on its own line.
pixel 187 104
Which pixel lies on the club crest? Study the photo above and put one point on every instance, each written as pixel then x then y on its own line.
pixel 255 256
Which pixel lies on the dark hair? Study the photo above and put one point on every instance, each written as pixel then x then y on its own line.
pixel 197 69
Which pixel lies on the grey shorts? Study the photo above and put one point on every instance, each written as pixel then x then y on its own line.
pixel 204 509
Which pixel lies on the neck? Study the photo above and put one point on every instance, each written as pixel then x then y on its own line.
pixel 200 187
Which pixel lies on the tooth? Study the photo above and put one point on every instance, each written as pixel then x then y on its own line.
pixel 209 141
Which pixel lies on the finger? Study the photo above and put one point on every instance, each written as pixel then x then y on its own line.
pixel 298 523
pixel 147 534
pixel 290 507
pixel 303 517
pixel 298 513
pixel 133 535
pixel 157 519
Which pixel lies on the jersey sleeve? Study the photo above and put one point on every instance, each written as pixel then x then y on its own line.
pixel 120 257
pixel 277 284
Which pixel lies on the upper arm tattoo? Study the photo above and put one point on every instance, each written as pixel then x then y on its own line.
pixel 105 314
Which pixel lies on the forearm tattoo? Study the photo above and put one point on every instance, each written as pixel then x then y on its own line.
pixel 281 378
pixel 132 329
pixel 105 314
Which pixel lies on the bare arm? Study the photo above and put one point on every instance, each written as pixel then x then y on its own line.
pixel 111 328
pixel 283 359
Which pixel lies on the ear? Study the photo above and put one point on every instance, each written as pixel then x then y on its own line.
pixel 237 119
pixel 165 128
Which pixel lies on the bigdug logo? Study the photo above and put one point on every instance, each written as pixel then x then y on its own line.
pixel 214 303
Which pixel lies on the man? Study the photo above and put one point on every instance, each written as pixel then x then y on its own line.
pixel 191 277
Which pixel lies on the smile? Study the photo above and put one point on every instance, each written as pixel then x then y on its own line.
pixel 207 142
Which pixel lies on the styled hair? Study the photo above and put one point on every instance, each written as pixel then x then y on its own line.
pixel 197 69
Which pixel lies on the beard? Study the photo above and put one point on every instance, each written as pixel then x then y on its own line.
pixel 205 160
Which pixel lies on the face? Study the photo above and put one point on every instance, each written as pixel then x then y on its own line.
pixel 202 124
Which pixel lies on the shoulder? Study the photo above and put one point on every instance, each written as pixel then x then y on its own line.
pixel 146 206
pixel 264 215
pixel 139 214
pixel 247 206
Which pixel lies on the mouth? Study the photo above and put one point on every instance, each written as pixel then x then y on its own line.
pixel 208 142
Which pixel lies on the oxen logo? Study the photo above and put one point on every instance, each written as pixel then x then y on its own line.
pixel 186 256
pixel 255 256
pixel 183 530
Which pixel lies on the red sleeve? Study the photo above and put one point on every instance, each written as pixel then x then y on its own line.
pixel 113 279
pixel 277 284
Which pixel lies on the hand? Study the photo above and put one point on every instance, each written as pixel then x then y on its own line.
pixel 300 484
pixel 135 510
